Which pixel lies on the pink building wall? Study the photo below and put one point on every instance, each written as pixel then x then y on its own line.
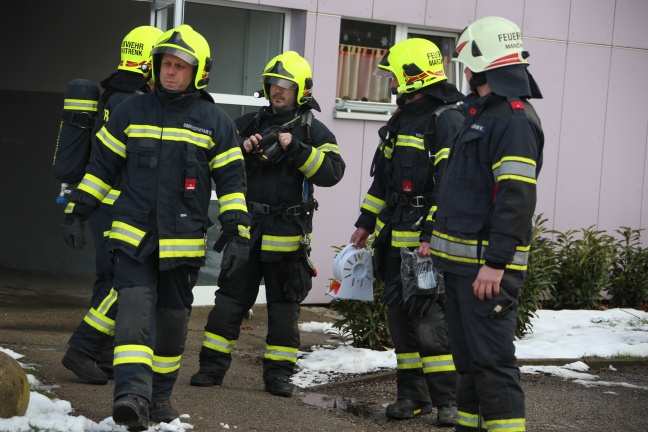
pixel 589 57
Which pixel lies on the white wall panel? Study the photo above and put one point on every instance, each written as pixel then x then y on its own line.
pixel 510 9
pixel 548 60
pixel 309 41
pixel 347 8
pixel 453 15
pixel 336 203
pixel 631 23
pixel 591 21
pixel 333 223
pixel 581 140
pixel 624 150
pixel 546 19
pixel 644 196
pixel 402 11
pixel 309 5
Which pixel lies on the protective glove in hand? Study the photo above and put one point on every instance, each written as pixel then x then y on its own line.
pixel 72 231
pixel 235 255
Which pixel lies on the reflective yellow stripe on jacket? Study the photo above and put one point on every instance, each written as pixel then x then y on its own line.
pixel 273 243
pixel 463 250
pixel 373 204
pixel 178 248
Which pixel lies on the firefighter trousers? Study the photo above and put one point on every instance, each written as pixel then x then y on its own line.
pixel 234 298
pixel 425 370
pixel 93 336
pixel 151 325
pixel 484 354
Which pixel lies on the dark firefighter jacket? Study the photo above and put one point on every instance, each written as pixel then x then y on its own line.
pixel 405 170
pixel 118 87
pixel 488 193
pixel 166 152
pixel 275 194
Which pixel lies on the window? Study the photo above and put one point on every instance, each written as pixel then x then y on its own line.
pixel 446 45
pixel 362 46
pixel 360 94
pixel 242 41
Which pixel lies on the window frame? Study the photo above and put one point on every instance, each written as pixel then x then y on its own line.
pixel 380 111
pixel 239 99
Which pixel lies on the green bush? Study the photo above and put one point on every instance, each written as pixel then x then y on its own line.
pixel 629 287
pixel 542 275
pixel 365 321
pixel 585 264
pixel 569 272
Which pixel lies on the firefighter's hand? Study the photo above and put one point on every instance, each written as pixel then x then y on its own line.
pixel 285 139
pixel 252 144
pixel 487 284
pixel 359 237
pixel 235 255
pixel 72 231
pixel 424 249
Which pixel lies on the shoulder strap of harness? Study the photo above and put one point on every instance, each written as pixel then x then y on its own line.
pixel 429 139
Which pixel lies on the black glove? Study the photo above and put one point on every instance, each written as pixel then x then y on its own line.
pixel 72 231
pixel 235 255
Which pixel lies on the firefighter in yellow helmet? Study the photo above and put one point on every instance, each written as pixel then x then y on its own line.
pixel 482 228
pixel 406 170
pixel 287 153
pixel 90 353
pixel 165 148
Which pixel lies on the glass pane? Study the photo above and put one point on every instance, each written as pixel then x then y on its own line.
pixel 242 41
pixel 362 46
pixel 236 111
pixel 446 45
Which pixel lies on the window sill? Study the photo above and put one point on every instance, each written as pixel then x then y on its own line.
pixel 357 110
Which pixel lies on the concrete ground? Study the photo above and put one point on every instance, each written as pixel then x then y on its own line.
pixel 38 313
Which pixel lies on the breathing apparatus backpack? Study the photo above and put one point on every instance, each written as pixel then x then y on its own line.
pixel 74 141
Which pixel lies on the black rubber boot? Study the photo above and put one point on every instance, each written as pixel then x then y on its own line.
pixel 205 378
pixel 83 366
pixel 446 415
pixel 131 411
pixel 407 408
pixel 162 411
pixel 279 386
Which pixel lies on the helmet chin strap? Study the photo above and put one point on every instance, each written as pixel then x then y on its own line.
pixel 408 88
pixel 477 79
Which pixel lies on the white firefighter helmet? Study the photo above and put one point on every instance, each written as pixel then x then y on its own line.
pixel 353 275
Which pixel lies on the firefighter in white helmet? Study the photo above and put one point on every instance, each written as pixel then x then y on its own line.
pixel 482 228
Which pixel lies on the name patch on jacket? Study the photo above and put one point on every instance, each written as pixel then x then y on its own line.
pixel 478 128
pixel 198 129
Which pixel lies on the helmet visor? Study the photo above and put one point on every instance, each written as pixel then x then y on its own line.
pixel 183 55
pixel 383 73
pixel 281 82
